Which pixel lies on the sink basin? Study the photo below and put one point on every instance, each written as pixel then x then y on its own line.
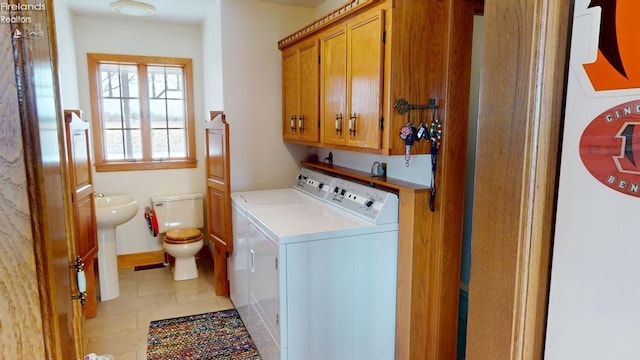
pixel 114 210
pixel 111 211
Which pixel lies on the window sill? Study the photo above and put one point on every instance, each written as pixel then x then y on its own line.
pixel 146 165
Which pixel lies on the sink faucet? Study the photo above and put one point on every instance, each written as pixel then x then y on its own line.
pixel 97 194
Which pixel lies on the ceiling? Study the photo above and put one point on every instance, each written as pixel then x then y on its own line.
pixel 172 11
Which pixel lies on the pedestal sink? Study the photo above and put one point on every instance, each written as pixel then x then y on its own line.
pixel 111 211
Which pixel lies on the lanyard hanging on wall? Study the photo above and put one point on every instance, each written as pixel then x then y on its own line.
pixel 435 136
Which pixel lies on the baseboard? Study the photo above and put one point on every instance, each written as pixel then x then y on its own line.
pixel 140 259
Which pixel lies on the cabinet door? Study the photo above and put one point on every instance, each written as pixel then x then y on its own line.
pixel 334 87
pixel 365 81
pixel 308 115
pixel 300 73
pixel 290 93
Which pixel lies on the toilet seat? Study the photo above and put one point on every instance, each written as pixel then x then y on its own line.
pixel 182 236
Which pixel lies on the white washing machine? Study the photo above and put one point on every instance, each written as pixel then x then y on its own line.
pixel 314 277
pixel 309 187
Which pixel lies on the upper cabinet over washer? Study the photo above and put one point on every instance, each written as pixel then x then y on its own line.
pixel 343 73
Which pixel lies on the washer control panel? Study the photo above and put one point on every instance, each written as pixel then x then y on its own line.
pixel 378 206
pixel 314 183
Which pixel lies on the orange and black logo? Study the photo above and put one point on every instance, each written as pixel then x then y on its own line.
pixel 610 145
pixel 610 148
pixel 617 65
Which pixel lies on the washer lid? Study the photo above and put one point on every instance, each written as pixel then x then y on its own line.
pixel 312 222
pixel 272 198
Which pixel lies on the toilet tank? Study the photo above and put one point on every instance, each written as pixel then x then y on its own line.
pixel 178 211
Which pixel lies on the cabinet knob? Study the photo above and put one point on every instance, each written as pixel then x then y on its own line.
pixel 293 123
pixel 338 123
pixel 301 123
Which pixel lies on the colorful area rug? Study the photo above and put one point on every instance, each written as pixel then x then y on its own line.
pixel 215 335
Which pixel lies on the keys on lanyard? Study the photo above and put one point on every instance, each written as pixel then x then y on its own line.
pixel 408 133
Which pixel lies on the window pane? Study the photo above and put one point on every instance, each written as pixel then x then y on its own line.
pixel 177 143
pixel 165 82
pixel 130 114
pixel 109 80
pixel 175 83
pixel 133 144
pixel 158 110
pixel 123 144
pixel 169 144
pixel 129 80
pixel 176 115
pixel 111 114
pixel 157 84
pixel 160 144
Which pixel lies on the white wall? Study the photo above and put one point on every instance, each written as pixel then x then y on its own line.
pixel 593 306
pixel 212 59
pixel 251 63
pixel 67 69
pixel 153 39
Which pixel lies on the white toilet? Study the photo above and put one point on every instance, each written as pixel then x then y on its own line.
pixel 180 218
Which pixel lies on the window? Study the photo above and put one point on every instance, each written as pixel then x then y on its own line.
pixel 142 112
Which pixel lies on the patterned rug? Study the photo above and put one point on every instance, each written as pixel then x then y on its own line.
pixel 215 335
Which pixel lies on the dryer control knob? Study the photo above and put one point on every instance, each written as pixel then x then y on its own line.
pixel 369 203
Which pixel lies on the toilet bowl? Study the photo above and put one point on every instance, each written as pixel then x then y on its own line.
pixel 183 245
pixel 180 218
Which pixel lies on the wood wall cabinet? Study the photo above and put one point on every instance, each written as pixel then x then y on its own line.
pixel 376 52
pixel 352 64
pixel 300 69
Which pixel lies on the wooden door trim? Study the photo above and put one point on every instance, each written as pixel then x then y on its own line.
pixel 53 331
pixel 518 134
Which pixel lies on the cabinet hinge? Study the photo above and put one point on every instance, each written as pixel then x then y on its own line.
pixel 382 123
pixel 276 263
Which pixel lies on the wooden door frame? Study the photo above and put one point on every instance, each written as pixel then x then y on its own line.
pixel 520 118
pixel 52 231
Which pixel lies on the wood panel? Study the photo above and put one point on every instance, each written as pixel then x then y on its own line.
pixel 21 336
pixel 218 197
pixel 141 259
pixel 523 64
pixel 365 59
pixel 309 114
pixel 300 89
pixel 78 158
pixel 333 87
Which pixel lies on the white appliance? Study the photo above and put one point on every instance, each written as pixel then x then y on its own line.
pixel 313 273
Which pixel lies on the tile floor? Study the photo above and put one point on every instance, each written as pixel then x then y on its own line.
pixel 122 324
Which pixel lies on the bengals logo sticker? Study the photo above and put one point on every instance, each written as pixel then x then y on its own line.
pixel 610 148
pixel 617 64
